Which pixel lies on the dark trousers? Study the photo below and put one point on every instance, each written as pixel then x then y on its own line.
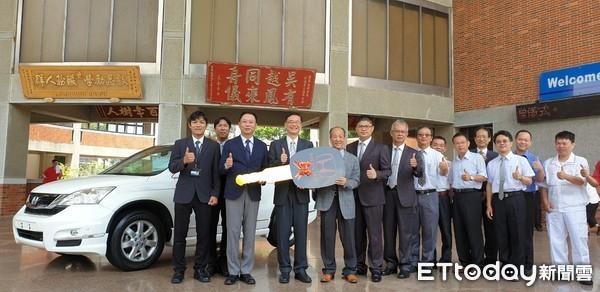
pixel 331 221
pixel 368 228
pixel 181 225
pixel 590 211
pixel 467 227
pixel 509 215
pixel 292 213
pixel 491 245
pixel 537 219
pixel 390 230
pixel 398 221
pixel 529 224
pixel 218 259
pixel 445 224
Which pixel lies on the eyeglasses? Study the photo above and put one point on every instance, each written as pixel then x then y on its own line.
pixel 362 127
pixel 398 132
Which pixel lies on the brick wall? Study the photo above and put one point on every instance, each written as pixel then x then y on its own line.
pixel 501 47
pixel 50 134
pixel 100 139
pixel 12 198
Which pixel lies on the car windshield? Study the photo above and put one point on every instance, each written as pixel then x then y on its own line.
pixel 147 162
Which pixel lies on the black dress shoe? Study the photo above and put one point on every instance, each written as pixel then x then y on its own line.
pixel 211 270
pixel 403 274
pixel 302 277
pixel 376 277
pixel 412 269
pixel 284 278
pixel 201 276
pixel 361 271
pixel 177 277
pixel 389 271
pixel 247 278
pixel 231 279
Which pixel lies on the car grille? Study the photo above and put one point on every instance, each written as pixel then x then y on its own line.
pixel 42 204
pixel 33 235
pixel 47 212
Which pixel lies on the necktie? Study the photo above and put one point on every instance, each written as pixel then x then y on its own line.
pixel 198 148
pixel 394 177
pixel 292 148
pixel 423 179
pixel 248 150
pixel 502 179
pixel 361 149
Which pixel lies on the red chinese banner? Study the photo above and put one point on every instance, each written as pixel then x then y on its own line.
pixel 228 83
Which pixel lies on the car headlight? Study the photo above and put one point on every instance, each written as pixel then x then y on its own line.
pixel 85 196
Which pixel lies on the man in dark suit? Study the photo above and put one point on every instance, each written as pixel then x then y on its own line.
pixel 242 154
pixel 337 207
pixel 196 160
pixel 483 136
pixel 217 262
pixel 401 211
pixel 374 160
pixel 291 203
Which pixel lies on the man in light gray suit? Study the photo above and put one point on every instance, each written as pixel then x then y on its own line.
pixel 336 204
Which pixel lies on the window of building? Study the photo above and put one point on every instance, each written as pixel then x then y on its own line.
pixel 290 33
pixel 103 31
pixel 401 41
pixel 147 129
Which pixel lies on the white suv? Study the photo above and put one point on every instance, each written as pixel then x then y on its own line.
pixel 124 213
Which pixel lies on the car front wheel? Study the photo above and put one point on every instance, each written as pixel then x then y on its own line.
pixel 136 242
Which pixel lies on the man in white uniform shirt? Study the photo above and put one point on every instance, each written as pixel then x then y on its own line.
pixel 434 167
pixel 564 196
pixel 508 176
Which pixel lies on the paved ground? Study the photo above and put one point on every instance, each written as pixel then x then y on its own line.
pixel 31 269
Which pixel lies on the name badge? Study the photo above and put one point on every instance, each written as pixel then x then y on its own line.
pixel 195 172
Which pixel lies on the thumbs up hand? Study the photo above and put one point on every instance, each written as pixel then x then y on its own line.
pixel 188 157
pixel 516 174
pixel 371 172
pixel 466 176
pixel 584 171
pixel 283 157
pixel 229 161
pixel 537 165
pixel 444 165
pixel 561 174
pixel 413 161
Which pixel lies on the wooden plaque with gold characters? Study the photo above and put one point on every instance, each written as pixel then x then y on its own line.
pixel 81 81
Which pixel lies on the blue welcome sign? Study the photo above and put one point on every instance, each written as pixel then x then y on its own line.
pixel 570 82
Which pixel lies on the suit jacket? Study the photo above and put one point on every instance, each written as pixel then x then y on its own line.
pixel 489 155
pixel 324 196
pixel 371 192
pixel 258 161
pixel 283 188
pixel 405 183
pixel 208 183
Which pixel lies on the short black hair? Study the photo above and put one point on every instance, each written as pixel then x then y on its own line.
pixel 366 118
pixel 219 119
pixel 458 135
pixel 54 160
pixel 524 131
pixel 197 115
pixel 439 138
pixel 503 133
pixel 565 135
pixel 249 113
pixel 419 128
pixel 292 114
pixel 489 132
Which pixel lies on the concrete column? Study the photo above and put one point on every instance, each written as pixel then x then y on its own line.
pixel 338 71
pixel 172 123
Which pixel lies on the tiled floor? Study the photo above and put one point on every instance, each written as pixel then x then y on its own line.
pixel 30 269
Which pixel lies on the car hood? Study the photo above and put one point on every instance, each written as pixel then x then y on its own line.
pixel 68 186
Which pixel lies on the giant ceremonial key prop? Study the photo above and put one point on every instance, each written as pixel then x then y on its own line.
pixel 310 168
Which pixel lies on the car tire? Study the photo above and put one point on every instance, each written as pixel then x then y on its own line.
pixel 136 242
pixel 272 236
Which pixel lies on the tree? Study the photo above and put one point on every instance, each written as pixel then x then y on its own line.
pixel 274 133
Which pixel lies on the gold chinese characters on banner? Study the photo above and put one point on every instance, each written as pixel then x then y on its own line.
pixel 81 81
